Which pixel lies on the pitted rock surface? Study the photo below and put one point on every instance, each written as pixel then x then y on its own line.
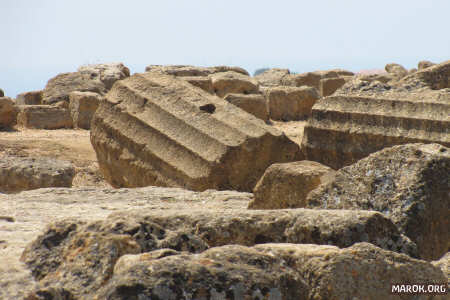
pixel 410 184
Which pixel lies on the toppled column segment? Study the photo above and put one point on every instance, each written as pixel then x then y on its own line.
pixel 156 129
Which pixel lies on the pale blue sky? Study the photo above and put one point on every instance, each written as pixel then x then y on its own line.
pixel 41 38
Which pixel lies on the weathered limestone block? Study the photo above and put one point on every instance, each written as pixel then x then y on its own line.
pixel 185 70
pixel 20 174
pixel 255 104
pixel 29 98
pixel 343 129
pixel 8 112
pixel 269 271
pixel 328 86
pixel 435 77
pixel 311 79
pixel 43 117
pixel 81 257
pixel 59 87
pixel 202 82
pixel 155 129
pixel 291 103
pixel 410 184
pixel 287 185
pixel 233 82
pixel 82 107
pixel 91 78
pixel 106 73
pixel 362 271
pixel 423 64
pixel 272 77
pixel 383 77
pixel 398 71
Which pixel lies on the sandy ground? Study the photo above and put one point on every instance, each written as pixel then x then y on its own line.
pixel 65 144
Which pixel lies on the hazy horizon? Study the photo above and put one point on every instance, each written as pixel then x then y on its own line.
pixel 44 38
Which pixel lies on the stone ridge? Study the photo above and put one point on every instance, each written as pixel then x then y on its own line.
pixel 59 256
pixel 155 129
pixel 344 129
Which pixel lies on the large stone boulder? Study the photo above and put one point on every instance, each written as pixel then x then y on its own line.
pixel 435 77
pixel 43 117
pixel 186 70
pixel 232 82
pixel 255 104
pixel 155 129
pixel 81 257
pixel 29 98
pixel 82 107
pixel 23 173
pixel 313 79
pixel 8 112
pixel 91 78
pixel 271 271
pixel 410 184
pixel 288 103
pixel 106 73
pixel 396 70
pixel 287 185
pixel 272 77
pixel 423 64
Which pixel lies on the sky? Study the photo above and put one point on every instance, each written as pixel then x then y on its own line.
pixel 42 38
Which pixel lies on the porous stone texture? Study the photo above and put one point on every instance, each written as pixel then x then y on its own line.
pixel 8 113
pixel 288 103
pixel 26 214
pixel 19 173
pixel 202 82
pixel 287 185
pixel 106 73
pixel 410 184
pixel 423 64
pixel 81 257
pixel 382 77
pixel 362 271
pixel 396 70
pixel 59 87
pixel 435 77
pixel 155 129
pixel 255 104
pixel 91 78
pixel 82 107
pixel 328 86
pixel 444 265
pixel 272 77
pixel 312 79
pixel 43 117
pixel 271 271
pixel 29 98
pixel 364 117
pixel 232 82
pixel 186 70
